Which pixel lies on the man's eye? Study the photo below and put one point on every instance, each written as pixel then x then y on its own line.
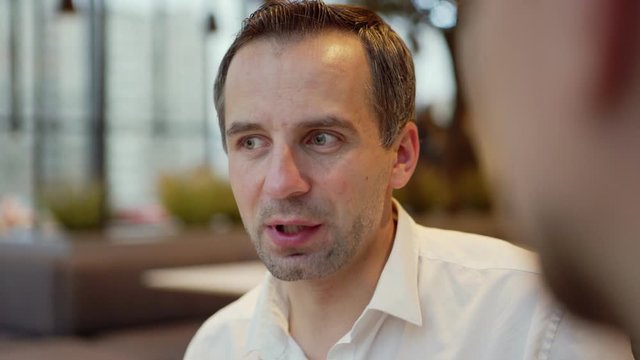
pixel 252 142
pixel 323 139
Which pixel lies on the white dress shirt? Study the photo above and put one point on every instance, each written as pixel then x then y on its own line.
pixel 441 295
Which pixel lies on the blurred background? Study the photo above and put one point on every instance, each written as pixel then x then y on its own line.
pixel 109 138
pixel 105 104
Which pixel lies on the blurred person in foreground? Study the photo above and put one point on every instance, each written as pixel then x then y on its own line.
pixel 316 105
pixel 553 89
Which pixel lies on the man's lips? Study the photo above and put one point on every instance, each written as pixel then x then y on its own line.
pixel 290 229
pixel 290 234
pixel 274 221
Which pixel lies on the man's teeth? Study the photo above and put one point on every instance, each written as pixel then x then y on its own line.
pixel 290 229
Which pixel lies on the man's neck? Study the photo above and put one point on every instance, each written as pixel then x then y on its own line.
pixel 322 311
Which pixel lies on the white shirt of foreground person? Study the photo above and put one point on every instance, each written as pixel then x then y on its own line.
pixel 441 295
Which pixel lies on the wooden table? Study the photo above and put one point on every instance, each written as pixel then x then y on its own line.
pixel 233 279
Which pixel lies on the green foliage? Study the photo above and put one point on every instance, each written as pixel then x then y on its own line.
pixel 428 190
pixel 473 190
pixel 196 196
pixel 77 208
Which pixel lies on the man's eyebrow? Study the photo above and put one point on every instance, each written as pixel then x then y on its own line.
pixel 327 122
pixel 241 127
pixel 324 122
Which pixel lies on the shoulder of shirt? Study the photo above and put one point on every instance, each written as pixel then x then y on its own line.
pixel 219 332
pixel 240 310
pixel 563 336
pixel 217 337
pixel 473 251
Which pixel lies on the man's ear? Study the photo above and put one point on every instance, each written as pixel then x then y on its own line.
pixel 618 36
pixel 407 150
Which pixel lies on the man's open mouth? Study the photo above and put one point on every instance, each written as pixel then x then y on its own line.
pixel 290 229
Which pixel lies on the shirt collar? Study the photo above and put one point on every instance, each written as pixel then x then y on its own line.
pixel 269 327
pixel 397 289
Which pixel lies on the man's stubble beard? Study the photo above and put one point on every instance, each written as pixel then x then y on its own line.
pixel 343 244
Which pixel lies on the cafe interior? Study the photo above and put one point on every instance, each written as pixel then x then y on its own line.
pixel 119 234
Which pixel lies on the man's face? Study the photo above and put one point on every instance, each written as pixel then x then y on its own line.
pixel 525 70
pixel 305 162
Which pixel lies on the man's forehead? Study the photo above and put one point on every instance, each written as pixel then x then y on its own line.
pixel 309 77
pixel 330 42
pixel 328 56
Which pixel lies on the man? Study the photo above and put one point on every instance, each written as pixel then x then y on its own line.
pixel 554 92
pixel 316 104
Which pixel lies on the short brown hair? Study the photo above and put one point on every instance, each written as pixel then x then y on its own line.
pixel 390 61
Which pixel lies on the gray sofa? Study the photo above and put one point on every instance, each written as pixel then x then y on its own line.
pixel 84 299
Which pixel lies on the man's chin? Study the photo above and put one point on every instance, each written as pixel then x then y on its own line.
pixel 296 267
pixel 293 267
pixel 288 275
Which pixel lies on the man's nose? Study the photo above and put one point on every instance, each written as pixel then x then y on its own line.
pixel 284 178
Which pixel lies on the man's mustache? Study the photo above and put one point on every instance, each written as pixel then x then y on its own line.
pixel 308 209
